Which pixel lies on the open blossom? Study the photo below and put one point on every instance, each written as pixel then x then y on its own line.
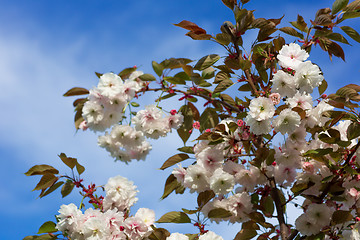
pixel 197 178
pixel 210 236
pixel 177 236
pixel 210 158
pixel 275 98
pixel 307 77
pixel 221 182
pixel 303 101
pixel 261 108
pixel 290 56
pixel 120 194
pixel 284 84
pixel 258 127
pixel 287 121
pixel 135 228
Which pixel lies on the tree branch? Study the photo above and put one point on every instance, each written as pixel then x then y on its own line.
pixel 279 209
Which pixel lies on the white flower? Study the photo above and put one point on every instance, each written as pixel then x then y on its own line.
pixel 179 173
pixel 120 194
pixel 287 121
pixel 258 127
pixel 210 158
pixel 197 178
pixel 307 77
pixel 284 84
pixel 93 113
pixel 284 173
pixel 175 121
pixel 210 236
pixel 290 56
pixel 240 206
pixel 146 215
pixel 221 182
pixel 69 214
pixel 177 236
pixel 315 116
pixel 319 214
pixel 110 84
pixel 261 108
pixel 306 226
pixel 135 228
pixel 303 101
pixel 151 122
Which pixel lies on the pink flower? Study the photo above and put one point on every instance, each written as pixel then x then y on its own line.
pixel 196 125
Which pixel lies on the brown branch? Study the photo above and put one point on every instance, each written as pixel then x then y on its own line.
pixel 235 109
pixel 279 209
pixel 293 234
pixel 238 52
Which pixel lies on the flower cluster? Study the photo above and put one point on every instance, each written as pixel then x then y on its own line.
pixel 107 101
pixel 111 222
pixel 207 236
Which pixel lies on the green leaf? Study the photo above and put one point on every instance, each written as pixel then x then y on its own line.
pixel 158 69
pixel 80 168
pixel 353 130
pixel 245 234
pixel 300 24
pixel 339 5
pixel 76 91
pixel 208 73
pixel 182 75
pixel 46 181
pixel 51 189
pixel 147 77
pixel 205 197
pixel 223 85
pixel 219 213
pixel 223 38
pixel 135 104
pixel 229 3
pixel 126 72
pixel 351 33
pixel 221 76
pixel 174 80
pixel 291 31
pixel 186 149
pixel 67 188
pixel 206 62
pixel 208 119
pixel 337 37
pixel 341 216
pixel 159 234
pixel 47 227
pixel 174 217
pixel 183 131
pixel 322 87
pixel 41 170
pixel 70 162
pixel 173 160
pixel 171 184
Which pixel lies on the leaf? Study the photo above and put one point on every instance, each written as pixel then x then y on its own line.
pixel 291 31
pixel 190 26
pixel 67 188
pixel 351 33
pixel 183 131
pixel 41 170
pixel 221 76
pixel 76 91
pixel 223 85
pixel 126 72
pixel 322 87
pixel 79 168
pixel 219 213
pixel 46 181
pixel 159 234
pixel 51 189
pixel 174 217
pixel 353 130
pixel 229 3
pixel 174 80
pixel 341 216
pixel 208 119
pixel 205 197
pixel 186 149
pixel 147 77
pixel 173 160
pixel 135 104
pixel 70 162
pixel 337 37
pixel 171 184
pixel 223 38
pixel 300 24
pixel 338 5
pixel 206 61
pixel 47 227
pixel 158 69
pixel 245 234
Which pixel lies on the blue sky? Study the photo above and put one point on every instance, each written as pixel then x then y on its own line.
pixel 47 47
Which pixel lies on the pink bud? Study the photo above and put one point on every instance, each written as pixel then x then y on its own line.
pixel 173 112
pixel 196 125
pixel 83 125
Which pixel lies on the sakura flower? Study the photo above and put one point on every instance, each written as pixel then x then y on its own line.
pixel 210 236
pixel 177 236
pixel 221 182
pixel 287 121
pixel 284 84
pixel 258 127
pixel 290 56
pixel 197 178
pixel 307 77
pixel 261 108
pixel 303 101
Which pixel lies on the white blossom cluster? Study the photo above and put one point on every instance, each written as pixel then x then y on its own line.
pixel 104 109
pixel 294 84
pixel 113 222
pixel 107 101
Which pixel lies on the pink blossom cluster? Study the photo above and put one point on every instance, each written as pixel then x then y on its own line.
pixel 113 221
